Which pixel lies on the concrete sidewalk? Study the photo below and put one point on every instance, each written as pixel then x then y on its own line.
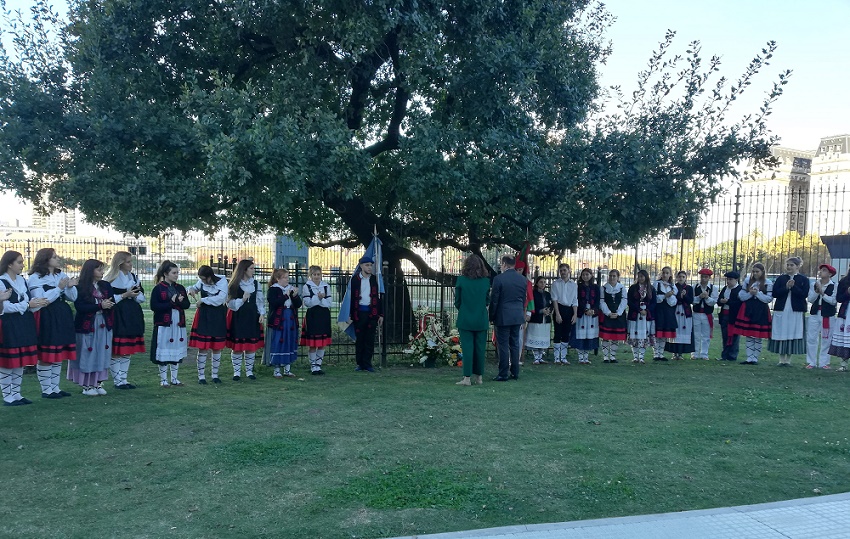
pixel 824 517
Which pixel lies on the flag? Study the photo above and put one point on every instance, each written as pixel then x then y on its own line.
pixel 374 252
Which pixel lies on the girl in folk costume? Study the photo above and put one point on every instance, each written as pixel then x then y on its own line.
pixel 705 298
pixel 665 312
pixel 245 318
pixel 282 335
pixel 540 324
pixel 93 325
pixel 586 332
pixel 612 321
pixel 57 340
pixel 18 340
pixel 753 319
pixel 788 332
pixel 564 302
pixel 641 323
pixel 169 302
pixel 128 335
pixel 840 346
pixel 316 331
pixel 209 329
pixel 683 342
pixel 819 330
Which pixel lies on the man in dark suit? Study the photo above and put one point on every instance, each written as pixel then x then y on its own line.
pixel 507 312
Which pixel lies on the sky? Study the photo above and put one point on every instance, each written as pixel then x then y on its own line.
pixel 812 39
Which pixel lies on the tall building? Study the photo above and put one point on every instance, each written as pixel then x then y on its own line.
pixel 777 199
pixel 830 186
pixel 58 222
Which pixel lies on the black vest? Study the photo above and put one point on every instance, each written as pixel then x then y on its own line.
pixel 701 307
pixel 821 307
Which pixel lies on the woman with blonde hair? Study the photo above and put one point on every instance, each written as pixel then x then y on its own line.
pixel 128 335
pixel 753 320
pixel 244 319
pixel 281 348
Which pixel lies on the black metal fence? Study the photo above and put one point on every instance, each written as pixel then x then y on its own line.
pixel 764 222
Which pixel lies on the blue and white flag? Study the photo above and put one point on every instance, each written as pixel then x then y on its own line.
pixel 373 252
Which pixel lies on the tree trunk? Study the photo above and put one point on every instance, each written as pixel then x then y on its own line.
pixel 399 320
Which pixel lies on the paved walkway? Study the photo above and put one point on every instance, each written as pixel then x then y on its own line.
pixel 824 517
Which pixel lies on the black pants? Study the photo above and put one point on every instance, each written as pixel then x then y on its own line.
pixel 364 346
pixel 564 330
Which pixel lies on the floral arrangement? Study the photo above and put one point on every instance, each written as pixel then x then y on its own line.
pixel 429 342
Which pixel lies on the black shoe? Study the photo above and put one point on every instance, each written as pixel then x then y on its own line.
pixel 660 358
pixel 51 396
pixel 216 381
pixel 64 393
pixel 235 378
pixel 26 401
pixel 513 377
pixel 202 381
pixel 500 379
pixel 319 372
pixel 749 362
pixel 125 386
pixel 613 361
pixel 19 402
pixel 251 377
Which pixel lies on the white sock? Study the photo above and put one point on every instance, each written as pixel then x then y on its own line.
pixel 320 355
pixel 286 369
pixel 313 365
pixel 237 363
pixel 163 373
pixel 249 363
pixel 216 363
pixel 202 365
pixel 124 369
pixel 659 347
pixel 55 376
pixel 6 384
pixel 174 367
pixel 17 378
pixel 43 372
pixel 277 371
pixel 115 370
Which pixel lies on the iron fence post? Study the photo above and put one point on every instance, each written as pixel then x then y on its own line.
pixel 735 233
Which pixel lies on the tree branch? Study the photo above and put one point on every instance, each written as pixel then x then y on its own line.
pixel 424 269
pixel 348 243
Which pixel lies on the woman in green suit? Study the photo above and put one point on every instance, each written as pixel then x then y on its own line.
pixel 472 296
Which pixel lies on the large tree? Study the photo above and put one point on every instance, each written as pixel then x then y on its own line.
pixel 470 124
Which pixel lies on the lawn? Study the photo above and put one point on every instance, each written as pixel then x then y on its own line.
pixel 406 451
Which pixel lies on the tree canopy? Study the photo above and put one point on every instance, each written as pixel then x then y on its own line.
pixel 442 123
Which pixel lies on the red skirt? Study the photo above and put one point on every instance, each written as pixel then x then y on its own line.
pixel 127 346
pixel 754 321
pixel 14 358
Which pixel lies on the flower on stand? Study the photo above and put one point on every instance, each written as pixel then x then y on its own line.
pixel 429 342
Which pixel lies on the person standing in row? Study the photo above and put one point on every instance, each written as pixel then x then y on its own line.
pixel 281 347
pixel 209 328
pixel 472 296
pixel 57 341
pixel 641 323
pixel 705 298
pixel 683 342
pixel 753 318
pixel 245 319
pixel 507 313
pixel 128 335
pixel 19 340
pixel 821 323
pixel 665 312
pixel 612 321
pixel 565 304
pixel 169 301
pixel 840 346
pixel 540 325
pixel 316 331
pixel 730 303
pixel 788 335
pixel 586 331
pixel 367 313
pixel 93 325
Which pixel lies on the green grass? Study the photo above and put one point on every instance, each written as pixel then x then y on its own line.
pixel 405 451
